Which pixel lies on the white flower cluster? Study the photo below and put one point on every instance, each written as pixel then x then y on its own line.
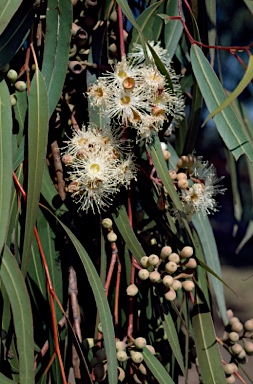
pixel 137 94
pixel 199 197
pixel 97 168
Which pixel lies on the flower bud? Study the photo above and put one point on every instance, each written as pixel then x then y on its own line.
pixel 136 379
pixel 230 379
pixel 121 355
pixel 173 175
pixel 151 348
pixel 166 155
pixel 168 281
pixel 174 257
pixel 140 342
pixel 170 295
pixel 181 176
pixel 241 355
pixel 143 369
pixel 13 100
pixel 230 313
pixel 111 236
pixel 186 252
pixel 155 277
pixel 67 159
pixel 188 285
pixel 90 342
pixel 248 347
pixel 183 183
pixel 12 75
pixel 107 223
pixel 100 355
pixel 229 369
pixel 20 86
pixel 233 336
pixel 153 260
pixel 236 348
pixel 100 328
pixel 132 290
pixel 233 319
pixel 165 252
pixel 121 374
pixel 145 261
pixel 176 285
pixel 192 263
pixel 171 267
pixel 143 274
pixel 120 345
pixel 248 325
pixel 137 357
pixel 237 326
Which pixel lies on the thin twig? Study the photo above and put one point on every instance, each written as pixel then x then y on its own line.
pixel 58 170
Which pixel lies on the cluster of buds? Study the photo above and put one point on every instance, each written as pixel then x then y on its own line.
pixel 237 340
pixel 173 270
pixel 18 85
pixel 97 167
pixel 138 95
pixel 196 182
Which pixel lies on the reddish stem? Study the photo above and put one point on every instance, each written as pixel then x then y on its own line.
pixel 121 32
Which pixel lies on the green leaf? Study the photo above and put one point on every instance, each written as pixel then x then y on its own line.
pixel 56 52
pixel 20 111
pixel 14 283
pixel 172 29
pixel 171 332
pixel 156 368
pixel 236 92
pixel 146 21
pixel 102 305
pixel 37 143
pixel 209 358
pixel 227 122
pixel 5 160
pixel 206 236
pixel 121 220
pixel 249 4
pixel 15 32
pixel 211 23
pixel 5 380
pixel 8 8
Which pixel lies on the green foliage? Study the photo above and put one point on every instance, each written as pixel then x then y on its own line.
pixel 105 236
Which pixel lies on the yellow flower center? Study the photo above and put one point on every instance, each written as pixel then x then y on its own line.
pixel 125 100
pixel 122 74
pixel 128 83
pixel 94 168
pixel 99 92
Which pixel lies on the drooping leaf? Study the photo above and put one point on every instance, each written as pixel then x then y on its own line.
pixel 37 142
pixel 56 52
pixel 173 29
pixel 226 121
pixel 5 160
pixel 14 283
pixel 211 24
pixel 209 358
pixel 5 380
pixel 156 368
pixel 15 32
pixel 7 10
pixel 121 220
pixel 247 77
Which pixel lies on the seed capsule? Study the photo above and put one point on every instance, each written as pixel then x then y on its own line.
pixel 107 223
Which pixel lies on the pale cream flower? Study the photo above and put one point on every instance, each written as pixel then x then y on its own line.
pixel 138 55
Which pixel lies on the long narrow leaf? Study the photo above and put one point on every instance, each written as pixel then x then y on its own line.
pixel 226 121
pixel 8 8
pixel 37 142
pixel 156 368
pixel 5 160
pixel 14 283
pixel 5 380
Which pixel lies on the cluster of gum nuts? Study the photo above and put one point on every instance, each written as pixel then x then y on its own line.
pixel 131 351
pixel 237 339
pixel 169 269
pixel 19 85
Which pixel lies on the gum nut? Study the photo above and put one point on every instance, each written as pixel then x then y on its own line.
pixel 143 274
pixel 237 326
pixel 176 285
pixel 174 257
pixel 170 267
pixel 230 379
pixel 248 347
pixel 94 361
pixel 188 285
pixel 165 252
pixel 181 176
pixel 248 325
pixel 120 345
pixel 140 342
pixel 192 263
pixel 12 75
pixel 155 277
pixel 132 290
pixel 107 223
pixel 99 372
pixel 144 261
pixel 100 355
pixel 236 348
pixel 183 184
pixel 20 86
pixel 173 175
pixel 153 260
pixel 151 348
pixel 186 252
pixel 170 295
pixel 121 355
pixel 233 336
pixel 168 281
pixel 229 369
pixel 230 313
pixel 121 374
pixel 112 237
pixel 137 357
